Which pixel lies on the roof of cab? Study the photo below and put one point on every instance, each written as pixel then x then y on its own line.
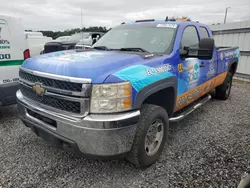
pixel 162 22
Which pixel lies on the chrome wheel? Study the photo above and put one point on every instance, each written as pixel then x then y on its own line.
pixel 154 137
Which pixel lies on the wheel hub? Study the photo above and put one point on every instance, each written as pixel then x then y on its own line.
pixel 154 137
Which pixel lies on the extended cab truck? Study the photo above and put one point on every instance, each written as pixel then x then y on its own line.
pixel 119 97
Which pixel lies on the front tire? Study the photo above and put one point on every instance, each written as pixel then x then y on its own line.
pixel 223 91
pixel 149 141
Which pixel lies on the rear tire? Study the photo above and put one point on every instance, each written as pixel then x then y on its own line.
pixel 223 91
pixel 149 141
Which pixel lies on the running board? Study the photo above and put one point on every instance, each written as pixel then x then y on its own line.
pixel 190 110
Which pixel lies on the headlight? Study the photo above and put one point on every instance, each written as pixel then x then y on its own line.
pixel 107 98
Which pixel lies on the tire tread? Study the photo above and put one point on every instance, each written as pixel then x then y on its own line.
pixel 147 110
pixel 220 91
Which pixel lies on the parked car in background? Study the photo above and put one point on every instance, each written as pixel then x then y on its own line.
pixel 36 42
pixel 63 38
pixel 82 45
pixel 118 97
pixel 55 46
pixel 13 51
pixel 33 33
pixel 90 38
pixel 61 43
pixel 81 40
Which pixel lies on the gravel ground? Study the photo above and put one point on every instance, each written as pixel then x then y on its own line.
pixel 210 148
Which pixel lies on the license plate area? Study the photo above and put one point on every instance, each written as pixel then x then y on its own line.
pixel 59 141
pixel 42 118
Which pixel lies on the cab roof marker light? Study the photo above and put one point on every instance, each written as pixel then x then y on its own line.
pixel 148 20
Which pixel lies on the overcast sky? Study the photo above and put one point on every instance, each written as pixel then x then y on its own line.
pixel 66 14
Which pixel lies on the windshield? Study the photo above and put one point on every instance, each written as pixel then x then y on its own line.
pixel 152 39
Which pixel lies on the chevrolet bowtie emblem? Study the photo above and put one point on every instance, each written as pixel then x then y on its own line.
pixel 37 88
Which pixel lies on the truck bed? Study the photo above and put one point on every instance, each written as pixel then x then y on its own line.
pixel 222 48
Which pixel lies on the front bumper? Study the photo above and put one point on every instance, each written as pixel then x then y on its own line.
pixel 97 135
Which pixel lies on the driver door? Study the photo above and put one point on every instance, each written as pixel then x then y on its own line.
pixel 192 70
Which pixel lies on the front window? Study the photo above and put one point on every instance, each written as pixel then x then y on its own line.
pixel 203 33
pixel 190 37
pixel 152 38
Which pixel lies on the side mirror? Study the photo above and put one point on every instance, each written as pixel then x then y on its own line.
pixel 204 51
pixel 206 48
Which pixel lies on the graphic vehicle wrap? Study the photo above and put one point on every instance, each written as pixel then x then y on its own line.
pixel 194 77
pixel 118 97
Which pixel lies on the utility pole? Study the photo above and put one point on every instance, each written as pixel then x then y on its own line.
pixel 225 18
pixel 81 18
pixel 81 23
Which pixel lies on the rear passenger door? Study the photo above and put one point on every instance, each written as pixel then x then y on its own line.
pixel 192 69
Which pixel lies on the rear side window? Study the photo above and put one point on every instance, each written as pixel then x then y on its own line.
pixel 203 33
pixel 189 37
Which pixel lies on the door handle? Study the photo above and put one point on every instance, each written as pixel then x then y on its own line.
pixel 202 64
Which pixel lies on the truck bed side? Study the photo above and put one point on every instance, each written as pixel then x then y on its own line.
pixel 227 56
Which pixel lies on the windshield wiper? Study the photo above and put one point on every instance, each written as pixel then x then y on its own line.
pixel 101 48
pixel 134 49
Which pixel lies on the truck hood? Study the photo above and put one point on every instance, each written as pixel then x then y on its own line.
pixel 96 65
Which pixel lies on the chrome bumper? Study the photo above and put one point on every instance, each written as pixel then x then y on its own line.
pixel 99 135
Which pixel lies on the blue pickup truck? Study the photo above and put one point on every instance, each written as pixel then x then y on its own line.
pixel 117 98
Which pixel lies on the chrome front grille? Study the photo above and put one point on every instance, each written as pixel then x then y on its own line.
pixel 69 86
pixel 59 94
pixel 66 105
